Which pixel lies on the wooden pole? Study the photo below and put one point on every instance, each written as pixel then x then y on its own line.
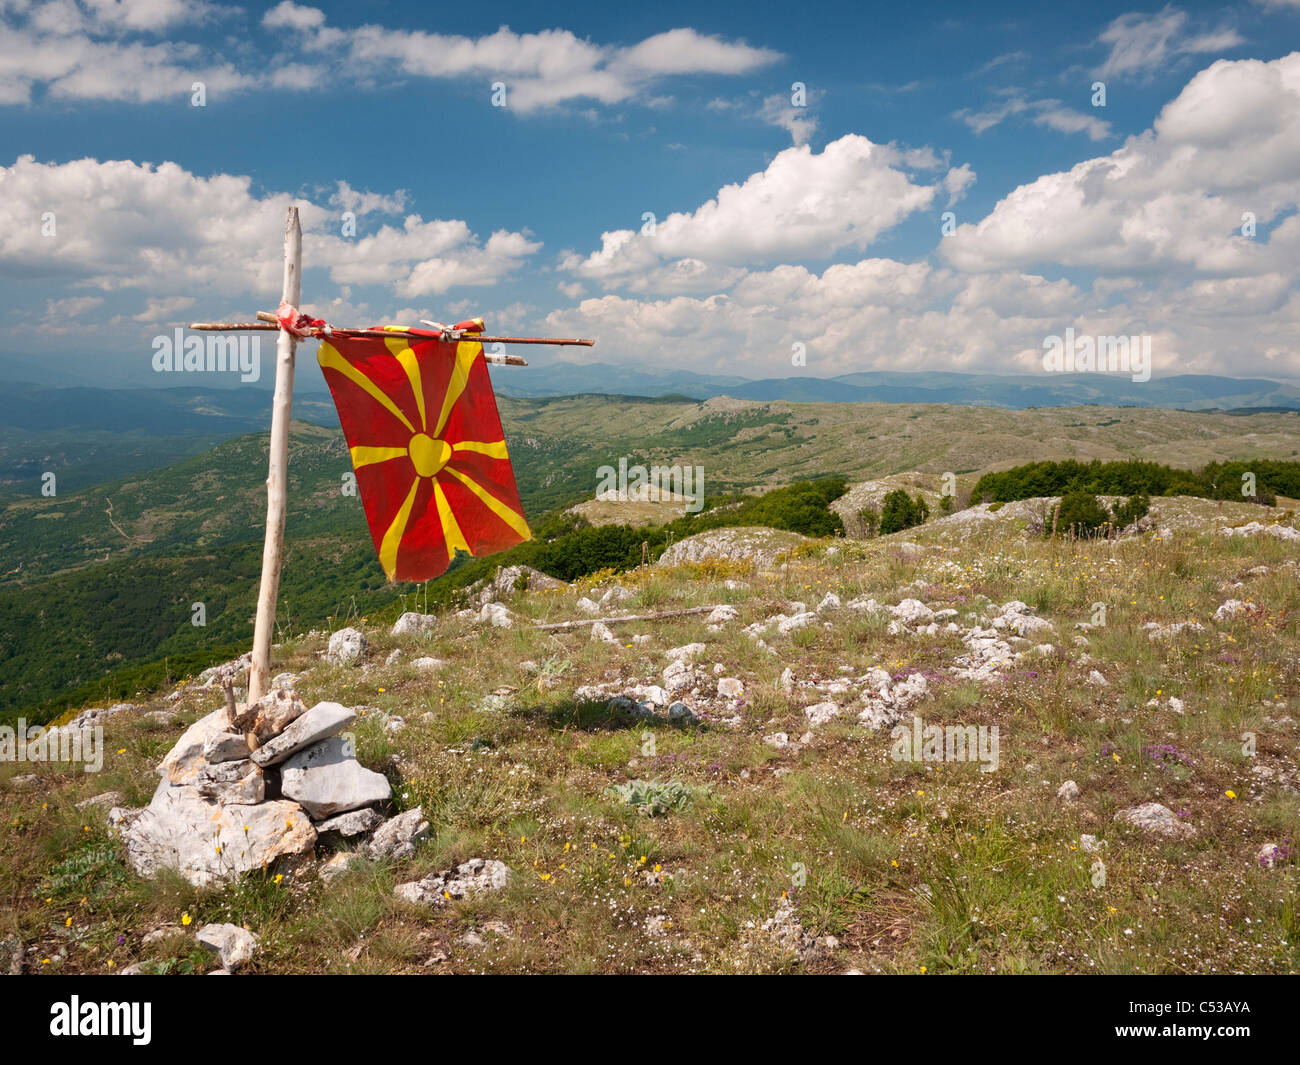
pixel 278 474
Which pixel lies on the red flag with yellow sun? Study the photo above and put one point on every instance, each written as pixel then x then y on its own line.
pixel 430 456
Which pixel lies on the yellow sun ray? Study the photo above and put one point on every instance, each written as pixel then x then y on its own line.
pixel 466 352
pixel 365 456
pixel 510 517
pixel 402 352
pixel 493 449
pixel 393 537
pixel 330 359
pixel 450 530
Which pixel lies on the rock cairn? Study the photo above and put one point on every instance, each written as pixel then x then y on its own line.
pixel 249 784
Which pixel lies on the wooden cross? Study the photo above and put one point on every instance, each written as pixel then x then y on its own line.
pixel 277 479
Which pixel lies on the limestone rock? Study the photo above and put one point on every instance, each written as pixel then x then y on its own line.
pixel 413 624
pixel 186 759
pixel 346 648
pixel 730 688
pixel 820 713
pixel 427 664
pixel 320 722
pixel 231 783
pixel 497 615
pixel 798 621
pixel 207 842
pixel 1156 820
pixel 11 956
pixel 108 798
pixel 649 693
pixel 326 779
pixel 353 823
pixel 678 676
pixel 1231 609
pixel 232 944
pixel 686 652
pixel 1069 791
pixel 396 838
pixel 474 877
pixel 270 715
pixel 226 747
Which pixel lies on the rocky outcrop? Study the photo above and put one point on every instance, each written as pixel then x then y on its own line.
pixel 474 877
pixel 760 546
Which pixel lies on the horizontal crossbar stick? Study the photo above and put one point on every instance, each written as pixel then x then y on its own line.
pixel 267 316
pixel 500 360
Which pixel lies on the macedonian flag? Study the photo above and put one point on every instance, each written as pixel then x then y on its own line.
pixel 421 421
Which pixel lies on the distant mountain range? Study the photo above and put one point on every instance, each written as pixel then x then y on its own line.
pixel 1185 391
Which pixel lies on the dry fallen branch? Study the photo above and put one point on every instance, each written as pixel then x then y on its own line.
pixel 629 617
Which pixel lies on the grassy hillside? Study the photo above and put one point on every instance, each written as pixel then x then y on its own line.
pixel 100 581
pixel 790 837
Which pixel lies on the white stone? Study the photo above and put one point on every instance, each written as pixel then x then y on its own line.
pixel 413 624
pixel 234 945
pixel 498 615
pixel 396 838
pixel 326 779
pixel 352 823
pixel 346 647
pixel 320 722
pixel 820 713
pixel 474 877
pixel 207 842
pixel 1155 819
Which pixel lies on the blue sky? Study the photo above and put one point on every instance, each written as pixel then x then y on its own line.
pixel 775 225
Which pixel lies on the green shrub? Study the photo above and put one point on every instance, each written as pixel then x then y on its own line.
pixel 1080 514
pixel 1134 509
pixel 900 512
